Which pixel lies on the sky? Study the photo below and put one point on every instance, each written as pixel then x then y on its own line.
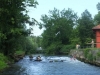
pixel 78 6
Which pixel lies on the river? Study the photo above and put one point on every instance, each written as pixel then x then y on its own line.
pixel 51 65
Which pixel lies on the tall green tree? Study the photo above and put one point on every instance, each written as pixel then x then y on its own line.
pixel 75 39
pixel 58 28
pixel 85 27
pixel 97 16
pixel 13 20
pixel 98 6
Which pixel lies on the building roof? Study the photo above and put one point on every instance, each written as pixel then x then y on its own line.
pixel 96 27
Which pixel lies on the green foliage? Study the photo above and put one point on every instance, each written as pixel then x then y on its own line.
pixel 97 18
pixel 20 52
pixel 74 39
pixel 13 20
pixel 58 28
pixel 32 49
pixel 36 40
pixel 3 61
pixel 85 27
pixel 90 57
pixel 94 58
pixel 86 52
pixel 27 45
pixel 88 40
pixel 3 65
pixel 53 48
pixel 3 58
pixel 39 41
pixel 66 49
pixel 98 6
pixel 98 54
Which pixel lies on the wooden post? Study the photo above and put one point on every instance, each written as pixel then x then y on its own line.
pixel 92 43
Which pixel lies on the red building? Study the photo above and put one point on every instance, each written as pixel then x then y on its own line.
pixel 96 29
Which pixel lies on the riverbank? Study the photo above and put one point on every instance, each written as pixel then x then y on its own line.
pixel 89 55
pixel 7 61
pixel 44 67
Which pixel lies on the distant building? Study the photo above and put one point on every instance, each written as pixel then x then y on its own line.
pixel 96 29
pixel 39 48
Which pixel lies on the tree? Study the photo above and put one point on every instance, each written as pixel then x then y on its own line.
pixel 58 28
pixel 13 20
pixel 97 16
pixel 98 6
pixel 85 27
pixel 75 39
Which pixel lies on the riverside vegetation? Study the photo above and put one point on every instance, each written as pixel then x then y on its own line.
pixel 6 61
pixel 88 55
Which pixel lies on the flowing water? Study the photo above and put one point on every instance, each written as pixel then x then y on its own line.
pixel 51 65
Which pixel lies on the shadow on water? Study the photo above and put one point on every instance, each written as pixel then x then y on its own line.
pixel 51 65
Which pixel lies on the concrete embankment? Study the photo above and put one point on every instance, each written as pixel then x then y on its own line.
pixel 91 56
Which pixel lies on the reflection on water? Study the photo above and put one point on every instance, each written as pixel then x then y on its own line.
pixel 60 65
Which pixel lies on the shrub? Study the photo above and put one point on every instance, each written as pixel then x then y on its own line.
pixel 3 58
pixel 90 57
pixel 3 61
pixel 3 65
pixel 20 52
pixel 86 51
pixel 67 48
pixel 51 49
pixel 98 54
pixel 54 48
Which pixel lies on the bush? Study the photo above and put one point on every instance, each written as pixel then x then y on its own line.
pixel 58 49
pixel 20 52
pixel 50 49
pixel 66 49
pixel 98 54
pixel 54 48
pixel 3 65
pixel 86 52
pixel 90 57
pixel 3 58
pixel 3 61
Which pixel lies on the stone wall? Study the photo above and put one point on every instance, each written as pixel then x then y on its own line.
pixel 91 56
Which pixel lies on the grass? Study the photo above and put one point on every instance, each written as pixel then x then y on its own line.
pixel 3 62
pixel 3 65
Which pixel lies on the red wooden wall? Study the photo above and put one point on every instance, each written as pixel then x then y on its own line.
pixel 98 38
